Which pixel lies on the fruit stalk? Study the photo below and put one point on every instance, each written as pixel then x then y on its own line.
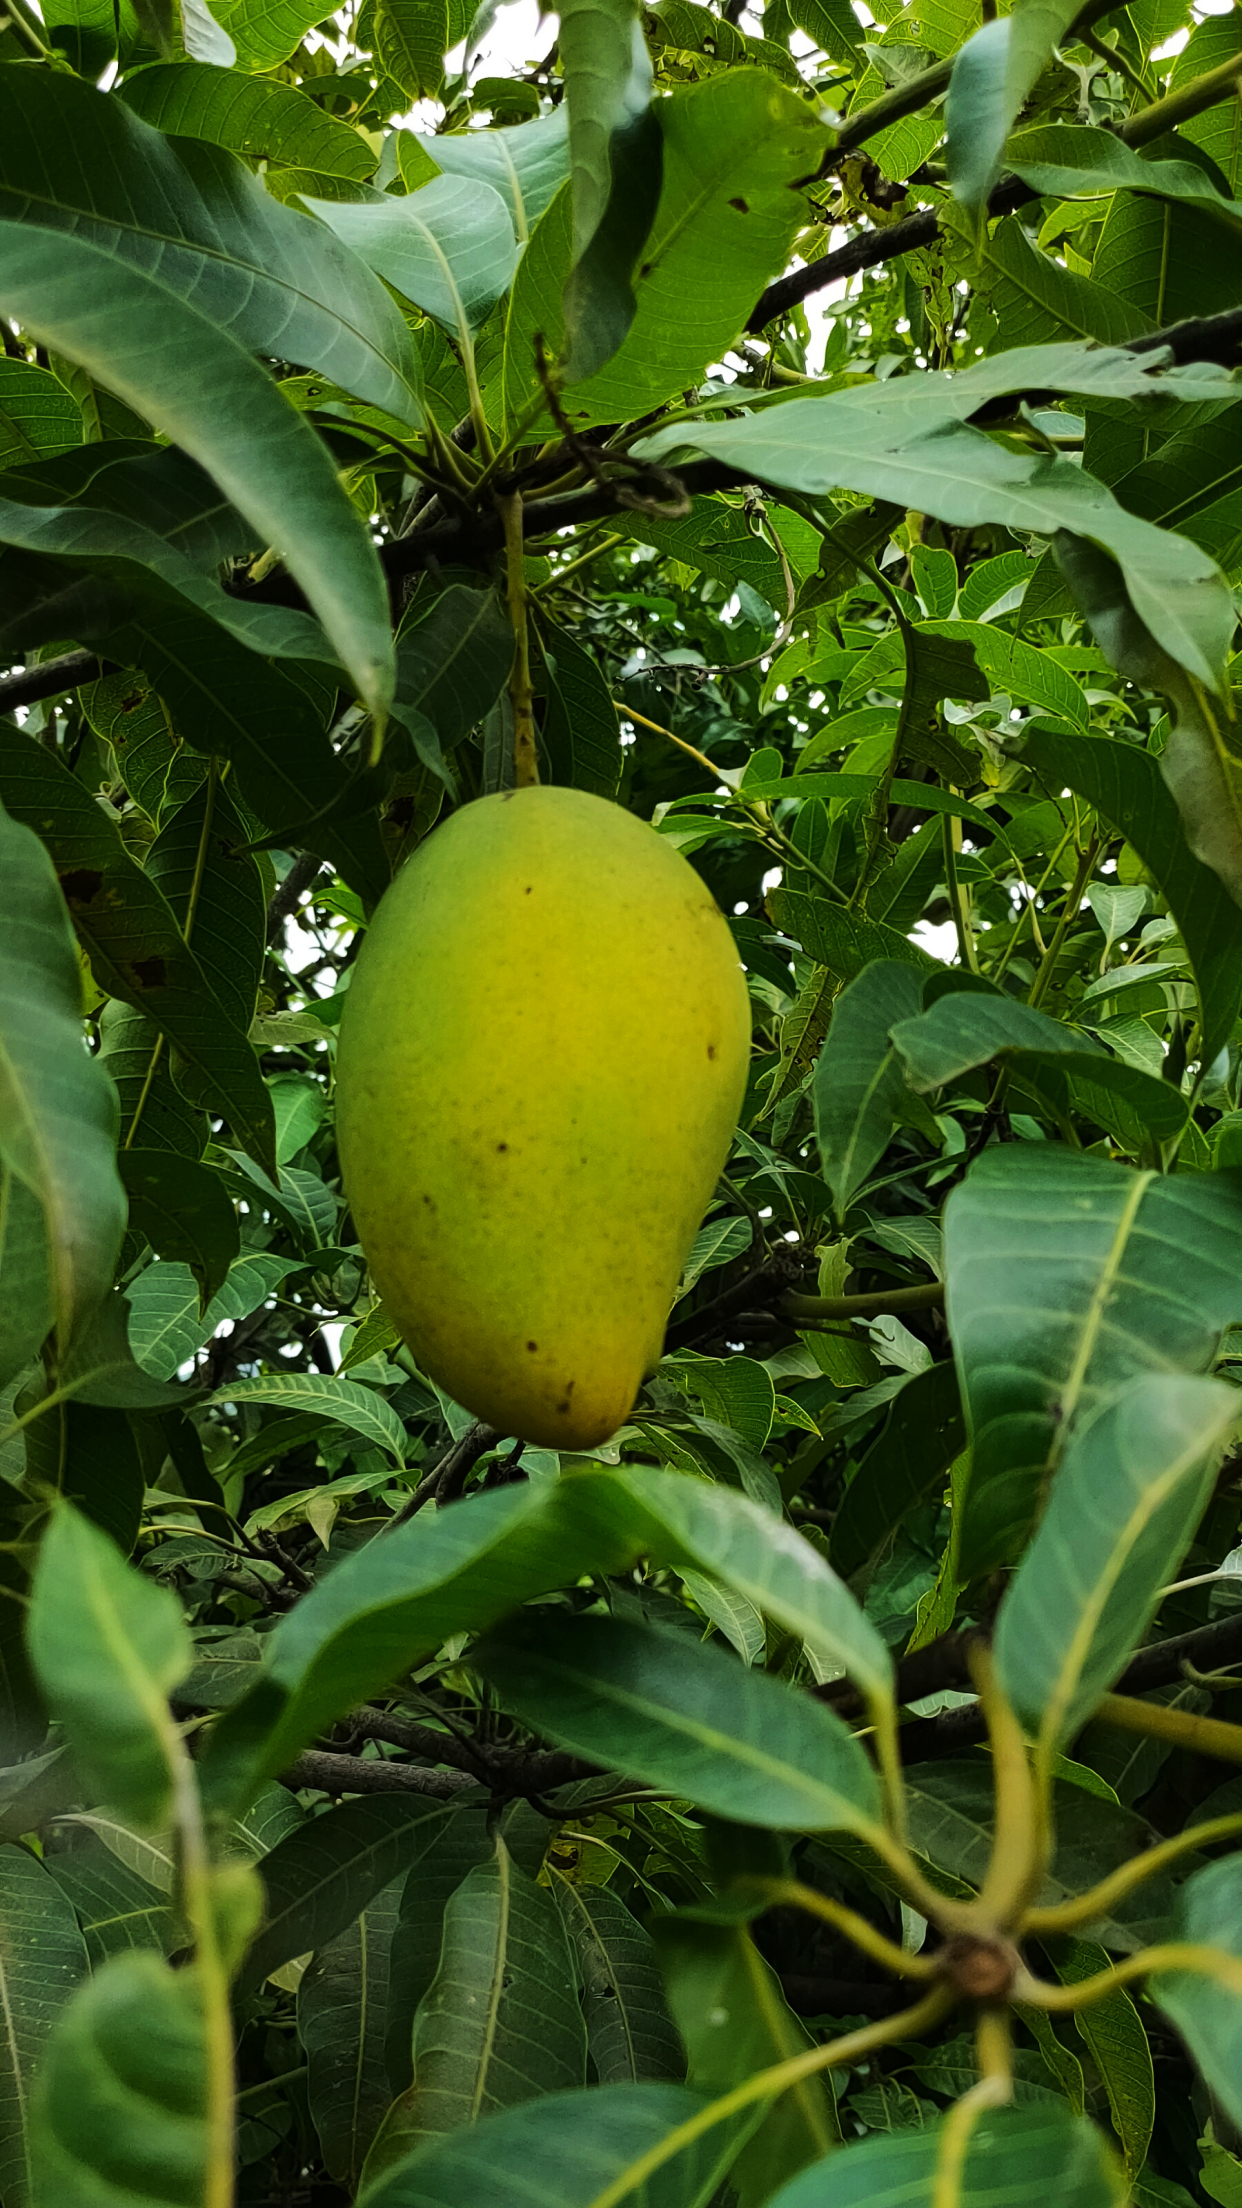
pixel 525 755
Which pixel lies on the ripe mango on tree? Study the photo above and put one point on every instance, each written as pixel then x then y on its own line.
pixel 542 1058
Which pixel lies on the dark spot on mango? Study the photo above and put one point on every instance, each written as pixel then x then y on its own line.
pixel 84 883
pixel 429 1204
pixel 563 1406
pixel 532 1345
pixel 149 973
pixel 529 886
pixel 711 1050
pixel 502 1146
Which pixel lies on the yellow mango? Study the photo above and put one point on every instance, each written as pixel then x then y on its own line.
pixel 542 1057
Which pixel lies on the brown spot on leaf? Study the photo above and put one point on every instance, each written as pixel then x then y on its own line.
pixel 740 205
pixel 84 883
pixel 149 973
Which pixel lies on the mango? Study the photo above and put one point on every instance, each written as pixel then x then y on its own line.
pixel 542 1056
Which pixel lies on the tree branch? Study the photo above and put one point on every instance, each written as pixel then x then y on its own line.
pixel 331 1774
pixel 48 679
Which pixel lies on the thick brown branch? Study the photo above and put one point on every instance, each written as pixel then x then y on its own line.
pixel 363 1775
pixel 48 679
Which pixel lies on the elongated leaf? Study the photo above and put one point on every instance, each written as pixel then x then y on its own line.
pixel 196 383
pixel 1005 661
pixel 342 2001
pixel 682 1716
pixel 501 2022
pixel 453 661
pixel 107 1645
pixel 115 1906
pixel 42 1959
pixel 459 1844
pixel 910 1460
pixel 165 1325
pixel 449 247
pixel 1018 2155
pixel 1118 2046
pixel 136 948
pixel 842 940
pixel 526 164
pixel 569 2148
pixel 61 1202
pixel 859 1082
pixel 1125 784
pixel 38 416
pixel 630 2034
pixel 992 77
pixel 1208 2014
pixel 347 1401
pixel 1129 1494
pixel 1072 161
pixel 1068 1277
pixel 73 162
pixel 320 1875
pixel 915 445
pixel 265 121
pixel 580 731
pixel 184 1212
pixel 615 161
pixel 121 2103
pixel 734 2020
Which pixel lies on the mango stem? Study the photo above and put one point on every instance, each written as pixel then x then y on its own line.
pixel 525 752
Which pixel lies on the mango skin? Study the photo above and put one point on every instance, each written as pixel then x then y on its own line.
pixel 542 1057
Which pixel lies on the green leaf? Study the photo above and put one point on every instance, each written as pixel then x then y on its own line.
pixel 580 733
pixel 910 440
pixel 501 2021
pixel 734 2020
pixel 459 1844
pixel 42 1959
pixel 992 77
pixel 449 247
pixel 843 940
pixel 107 1646
pixel 615 162
pixel 1006 663
pixel 318 1877
pixel 453 660
pixel 737 138
pixel 38 417
pixel 1125 785
pixel 1068 1277
pixel 568 2149
pixel 264 32
pixel 1022 2156
pixel 116 1907
pixel 683 1717
pixel 184 1212
pixel 859 1083
pixel 62 1206
pixel 262 120
pixel 200 861
pixel 342 2001
pixel 923 1434
pixel 1069 161
pixel 121 2104
pixel 1129 1494
pixel 347 1401
pixel 1206 2013
pixel 165 1326
pixel 136 948
pixel 630 2034
pixel 1118 2046
pixel 410 39
pixel 526 163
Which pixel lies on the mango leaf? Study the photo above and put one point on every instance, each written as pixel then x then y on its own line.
pixel 843 940
pixel 526 163
pixel 501 2022
pixel 184 1212
pixel 136 948
pixel 1129 1494
pixel 318 1877
pixel 580 732
pixel 1016 2154
pixel 1128 1273
pixel 1207 2013
pixel 571 2148
pixel 263 121
pixel 62 1206
pixel 200 861
pixel 734 2019
pixel 347 1401
pixel 1076 161
pixel 449 247
pixel 1126 786
pixel 859 1083
pixel 342 2000
pixel 193 216
pixel 630 2034
pixel 683 1717
pixel 42 1959
pixel 616 152
pixel 1118 2045
pixel 909 1461
pixel 38 417
pixel 121 2102
pixel 116 1907
pixel 107 1646
pixel 1004 661
pixel 910 440
pixel 461 1842
pixel 993 75
pixel 166 1327
pixel 453 660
